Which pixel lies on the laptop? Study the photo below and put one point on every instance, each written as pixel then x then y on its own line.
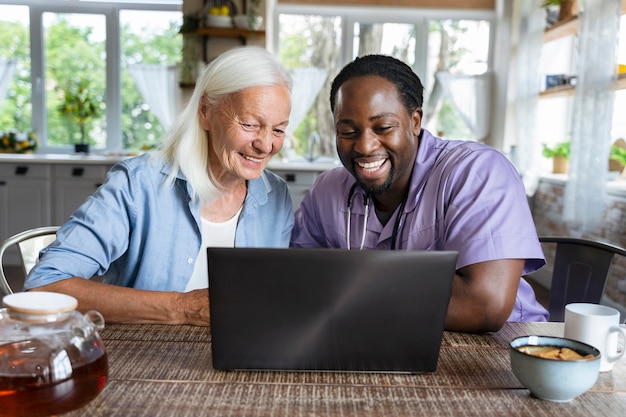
pixel 328 309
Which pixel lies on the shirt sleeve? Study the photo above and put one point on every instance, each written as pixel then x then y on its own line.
pixel 487 214
pixel 320 219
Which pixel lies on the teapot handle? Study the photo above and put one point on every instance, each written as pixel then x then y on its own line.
pixel 95 318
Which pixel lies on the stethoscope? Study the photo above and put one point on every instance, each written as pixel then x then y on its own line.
pixel 366 204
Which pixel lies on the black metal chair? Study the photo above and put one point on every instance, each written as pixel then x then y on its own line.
pixel 580 272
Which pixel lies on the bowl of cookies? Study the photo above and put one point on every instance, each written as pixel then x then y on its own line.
pixel 554 368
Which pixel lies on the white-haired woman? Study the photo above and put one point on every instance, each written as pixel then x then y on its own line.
pixel 145 230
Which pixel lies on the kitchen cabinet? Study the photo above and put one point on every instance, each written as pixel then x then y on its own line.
pixel 298 182
pixel 72 184
pixel 24 200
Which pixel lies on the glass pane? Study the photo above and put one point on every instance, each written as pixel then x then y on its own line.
pixel 15 89
pixel 75 57
pixel 394 39
pixel 455 46
pixel 310 45
pixel 149 37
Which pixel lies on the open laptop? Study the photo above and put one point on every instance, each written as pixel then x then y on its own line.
pixel 328 309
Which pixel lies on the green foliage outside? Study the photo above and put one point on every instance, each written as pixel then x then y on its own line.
pixel 15 109
pixel 560 149
pixel 78 105
pixel 72 55
pixel 618 154
pixel 311 45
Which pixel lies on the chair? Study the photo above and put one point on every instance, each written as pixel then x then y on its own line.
pixel 29 243
pixel 580 272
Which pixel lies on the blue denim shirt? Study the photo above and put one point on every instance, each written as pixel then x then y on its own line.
pixel 138 231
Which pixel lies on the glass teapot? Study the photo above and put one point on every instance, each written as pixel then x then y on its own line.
pixel 52 359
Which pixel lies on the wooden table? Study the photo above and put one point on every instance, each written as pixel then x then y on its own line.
pixel 159 370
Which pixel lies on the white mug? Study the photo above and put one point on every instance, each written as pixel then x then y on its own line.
pixel 598 326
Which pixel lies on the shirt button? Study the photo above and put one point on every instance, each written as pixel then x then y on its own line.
pixel 189 260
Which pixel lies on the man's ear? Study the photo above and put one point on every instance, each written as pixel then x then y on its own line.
pixel 416 120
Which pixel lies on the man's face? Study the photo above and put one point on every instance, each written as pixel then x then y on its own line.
pixel 377 139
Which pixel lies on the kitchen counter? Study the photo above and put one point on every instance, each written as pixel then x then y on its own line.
pixel 35 158
pixel 98 159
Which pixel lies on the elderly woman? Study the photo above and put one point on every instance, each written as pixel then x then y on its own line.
pixel 146 229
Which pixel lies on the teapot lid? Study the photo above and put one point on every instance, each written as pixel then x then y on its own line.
pixel 40 302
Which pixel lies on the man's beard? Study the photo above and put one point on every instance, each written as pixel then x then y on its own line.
pixel 372 189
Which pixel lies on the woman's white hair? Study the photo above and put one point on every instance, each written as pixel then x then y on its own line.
pixel 186 145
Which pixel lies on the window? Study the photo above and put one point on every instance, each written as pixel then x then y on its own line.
pixel 15 86
pixel 316 43
pixel 83 46
pixel 74 50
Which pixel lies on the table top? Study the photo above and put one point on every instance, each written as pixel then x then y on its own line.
pixel 159 370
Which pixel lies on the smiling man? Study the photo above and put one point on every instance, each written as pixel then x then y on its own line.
pixel 403 188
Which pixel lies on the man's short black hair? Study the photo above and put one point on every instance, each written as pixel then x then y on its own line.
pixel 407 83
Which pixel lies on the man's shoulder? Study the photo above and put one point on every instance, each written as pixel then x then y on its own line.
pixel 331 186
pixel 469 153
pixel 334 177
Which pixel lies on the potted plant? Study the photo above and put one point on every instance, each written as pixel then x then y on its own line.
pixel 191 47
pixel 618 154
pixel 79 105
pixel 559 154
pixel 191 23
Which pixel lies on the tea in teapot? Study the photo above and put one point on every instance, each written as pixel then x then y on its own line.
pixel 52 359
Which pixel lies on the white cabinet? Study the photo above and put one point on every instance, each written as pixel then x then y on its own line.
pixel 298 182
pixel 72 184
pixel 24 199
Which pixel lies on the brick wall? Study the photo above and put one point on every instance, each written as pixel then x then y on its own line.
pixel 547 208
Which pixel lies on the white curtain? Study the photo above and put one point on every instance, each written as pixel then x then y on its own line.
pixel 527 86
pixel 307 83
pixel 470 96
pixel 593 111
pixel 158 85
pixel 7 69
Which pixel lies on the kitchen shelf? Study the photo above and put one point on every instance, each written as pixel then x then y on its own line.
pixel 561 30
pixel 207 32
pixel 570 90
pixel 567 27
pixel 242 34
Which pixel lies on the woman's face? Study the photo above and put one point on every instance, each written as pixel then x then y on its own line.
pixel 245 130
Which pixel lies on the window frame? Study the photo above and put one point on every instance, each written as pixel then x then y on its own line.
pixel 113 94
pixel 419 17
